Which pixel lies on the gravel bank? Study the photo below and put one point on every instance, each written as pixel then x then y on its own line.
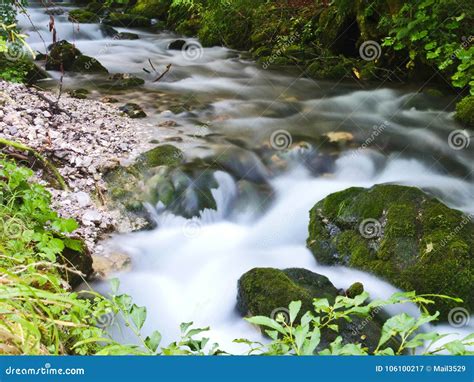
pixel 83 138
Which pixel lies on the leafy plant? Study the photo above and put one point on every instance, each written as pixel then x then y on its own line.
pixel 435 32
pixel 304 337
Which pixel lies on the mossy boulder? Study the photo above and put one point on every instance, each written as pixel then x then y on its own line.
pixel 62 52
pixel 65 54
pixel 465 111
pixel 263 291
pixel 269 291
pixel 400 234
pixel 83 16
pixel 165 155
pixel 127 20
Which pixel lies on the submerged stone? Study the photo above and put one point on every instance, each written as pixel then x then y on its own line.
pixel 133 110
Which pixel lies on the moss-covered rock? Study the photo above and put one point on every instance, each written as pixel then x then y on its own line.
pixel 160 175
pixel 166 155
pixel 122 81
pixel 62 52
pixel 263 291
pixel 133 110
pixel 65 54
pixel 401 234
pixel 83 16
pixel 127 20
pixel 78 93
pixel 269 291
pixel 465 111
pixel 86 64
pixel 354 290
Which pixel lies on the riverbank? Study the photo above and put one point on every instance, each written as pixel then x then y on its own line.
pixel 83 139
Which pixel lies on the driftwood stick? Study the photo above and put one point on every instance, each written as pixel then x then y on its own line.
pixel 47 164
pixel 162 74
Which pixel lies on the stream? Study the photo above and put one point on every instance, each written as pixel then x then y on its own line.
pixel 187 269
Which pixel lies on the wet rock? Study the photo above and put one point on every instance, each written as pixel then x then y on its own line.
pixel 133 110
pixel 355 290
pixel 177 45
pixel 78 93
pixel 165 155
pixel 465 112
pixel 109 31
pixel 401 234
pixel 86 64
pixel 109 99
pixel 127 20
pixel 54 11
pixel 64 55
pixel 121 81
pixel 126 36
pixel 268 291
pixel 241 163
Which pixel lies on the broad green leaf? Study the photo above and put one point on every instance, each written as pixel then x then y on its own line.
pixel 153 341
pixel 266 321
pixel 294 308
pixel 138 315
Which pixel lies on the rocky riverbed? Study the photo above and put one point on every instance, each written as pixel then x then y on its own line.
pixel 83 139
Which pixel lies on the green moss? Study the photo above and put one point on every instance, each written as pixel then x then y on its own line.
pixel 151 8
pixel 355 289
pixel 330 69
pixel 166 155
pixel 62 52
pixel 465 111
pixel 127 20
pixel 421 244
pixel 78 93
pixel 262 291
pixel 83 16
pixel 86 64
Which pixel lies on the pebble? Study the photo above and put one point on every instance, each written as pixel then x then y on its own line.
pixel 80 144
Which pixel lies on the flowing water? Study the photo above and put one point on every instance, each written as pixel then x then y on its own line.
pixel 187 270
